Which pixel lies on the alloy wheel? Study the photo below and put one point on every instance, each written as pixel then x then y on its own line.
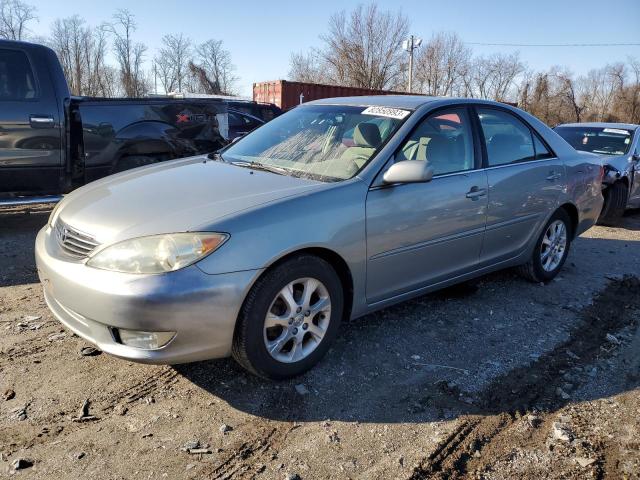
pixel 554 245
pixel 297 320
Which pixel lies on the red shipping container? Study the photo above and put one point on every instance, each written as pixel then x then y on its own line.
pixel 286 94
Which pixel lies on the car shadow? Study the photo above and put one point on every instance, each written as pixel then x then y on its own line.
pixel 501 345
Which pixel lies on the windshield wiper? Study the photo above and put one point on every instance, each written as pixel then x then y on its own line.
pixel 261 166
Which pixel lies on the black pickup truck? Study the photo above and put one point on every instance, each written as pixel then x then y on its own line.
pixel 52 142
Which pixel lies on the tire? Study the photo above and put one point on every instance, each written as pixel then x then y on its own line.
pixel 133 161
pixel 539 270
pixel 252 335
pixel 615 202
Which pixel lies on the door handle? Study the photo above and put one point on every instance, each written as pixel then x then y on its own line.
pixel 476 192
pixel 553 176
pixel 41 121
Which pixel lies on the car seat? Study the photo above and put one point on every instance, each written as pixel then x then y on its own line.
pixel 366 138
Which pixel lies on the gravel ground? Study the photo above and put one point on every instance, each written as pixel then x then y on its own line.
pixel 495 379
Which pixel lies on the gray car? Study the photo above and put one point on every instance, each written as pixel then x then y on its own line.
pixel 333 210
pixel 619 146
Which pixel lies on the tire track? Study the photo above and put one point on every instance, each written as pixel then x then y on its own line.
pixel 164 377
pixel 261 449
pixel 532 387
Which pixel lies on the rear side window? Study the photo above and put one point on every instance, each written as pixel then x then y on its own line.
pixel 542 152
pixel 508 140
pixel 16 77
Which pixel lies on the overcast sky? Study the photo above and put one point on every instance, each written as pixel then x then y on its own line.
pixel 261 35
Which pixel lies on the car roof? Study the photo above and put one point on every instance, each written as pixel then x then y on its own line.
pixel 626 126
pixel 400 101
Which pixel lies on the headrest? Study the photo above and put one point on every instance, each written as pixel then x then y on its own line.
pixel 367 135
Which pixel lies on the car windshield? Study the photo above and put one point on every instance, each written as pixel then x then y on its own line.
pixel 600 140
pixel 323 142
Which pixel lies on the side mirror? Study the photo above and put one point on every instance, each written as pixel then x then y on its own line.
pixel 635 157
pixel 408 171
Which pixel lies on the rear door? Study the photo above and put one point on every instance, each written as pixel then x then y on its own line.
pixel 525 181
pixel 419 234
pixel 31 158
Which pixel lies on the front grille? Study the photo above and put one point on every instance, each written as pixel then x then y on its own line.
pixel 73 242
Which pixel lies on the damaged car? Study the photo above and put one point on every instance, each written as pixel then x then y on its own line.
pixel 618 144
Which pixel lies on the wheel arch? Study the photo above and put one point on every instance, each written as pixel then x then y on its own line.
pixel 572 211
pixel 335 260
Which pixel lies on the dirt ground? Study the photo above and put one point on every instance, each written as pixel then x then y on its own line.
pixel 492 380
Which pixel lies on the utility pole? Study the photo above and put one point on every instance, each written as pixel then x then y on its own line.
pixel 155 78
pixel 410 45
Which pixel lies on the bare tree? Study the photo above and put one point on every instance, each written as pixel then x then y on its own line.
pixel 442 64
pixel 129 54
pixel 82 52
pixel 15 16
pixel 213 69
pixel 307 67
pixel 494 76
pixel 629 104
pixel 569 93
pixel 602 86
pixel 361 49
pixel 554 96
pixel 172 62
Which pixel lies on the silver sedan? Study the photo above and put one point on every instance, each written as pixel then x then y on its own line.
pixel 333 210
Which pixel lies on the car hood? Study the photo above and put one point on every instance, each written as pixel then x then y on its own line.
pixel 174 196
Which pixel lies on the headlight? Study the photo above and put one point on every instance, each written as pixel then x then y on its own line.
pixel 158 253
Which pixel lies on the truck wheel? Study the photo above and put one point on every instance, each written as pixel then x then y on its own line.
pixel 615 202
pixel 289 318
pixel 133 161
pixel 551 249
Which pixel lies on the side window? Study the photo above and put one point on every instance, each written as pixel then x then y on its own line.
pixel 16 78
pixel 542 152
pixel 444 140
pixel 508 140
pixel 237 120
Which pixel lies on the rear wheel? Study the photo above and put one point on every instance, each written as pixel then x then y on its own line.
pixel 551 249
pixel 615 201
pixel 289 318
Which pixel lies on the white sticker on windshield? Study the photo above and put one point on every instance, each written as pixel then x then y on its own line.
pixel 616 130
pixel 386 112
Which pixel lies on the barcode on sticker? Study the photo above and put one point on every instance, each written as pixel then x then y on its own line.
pixel 386 112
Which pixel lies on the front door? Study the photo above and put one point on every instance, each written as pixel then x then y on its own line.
pixel 421 233
pixel 525 181
pixel 30 144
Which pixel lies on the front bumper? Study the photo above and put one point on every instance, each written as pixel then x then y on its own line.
pixel 201 308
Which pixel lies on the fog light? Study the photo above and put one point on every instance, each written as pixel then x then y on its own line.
pixel 144 340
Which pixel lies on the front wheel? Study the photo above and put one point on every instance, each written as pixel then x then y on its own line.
pixel 289 318
pixel 551 250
